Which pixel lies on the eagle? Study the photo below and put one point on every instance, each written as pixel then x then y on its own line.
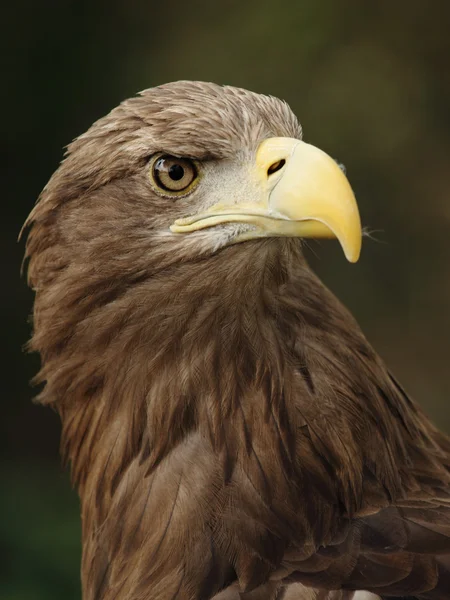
pixel 230 431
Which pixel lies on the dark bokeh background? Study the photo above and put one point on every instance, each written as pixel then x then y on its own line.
pixel 370 83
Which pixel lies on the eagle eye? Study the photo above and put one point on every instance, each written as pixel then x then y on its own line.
pixel 172 174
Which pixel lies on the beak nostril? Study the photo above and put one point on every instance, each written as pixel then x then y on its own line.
pixel 276 166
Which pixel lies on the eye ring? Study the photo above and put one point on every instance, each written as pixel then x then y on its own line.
pixel 173 175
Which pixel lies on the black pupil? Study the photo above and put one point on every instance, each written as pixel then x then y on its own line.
pixel 176 172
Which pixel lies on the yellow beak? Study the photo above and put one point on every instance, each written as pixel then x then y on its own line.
pixel 308 196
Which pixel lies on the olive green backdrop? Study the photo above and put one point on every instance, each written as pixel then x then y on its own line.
pixel 370 83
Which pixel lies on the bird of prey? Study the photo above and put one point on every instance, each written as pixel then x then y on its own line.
pixel 231 432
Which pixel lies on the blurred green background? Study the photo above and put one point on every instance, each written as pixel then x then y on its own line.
pixel 370 82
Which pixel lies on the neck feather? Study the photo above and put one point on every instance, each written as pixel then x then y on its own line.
pixel 171 353
pixel 240 345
